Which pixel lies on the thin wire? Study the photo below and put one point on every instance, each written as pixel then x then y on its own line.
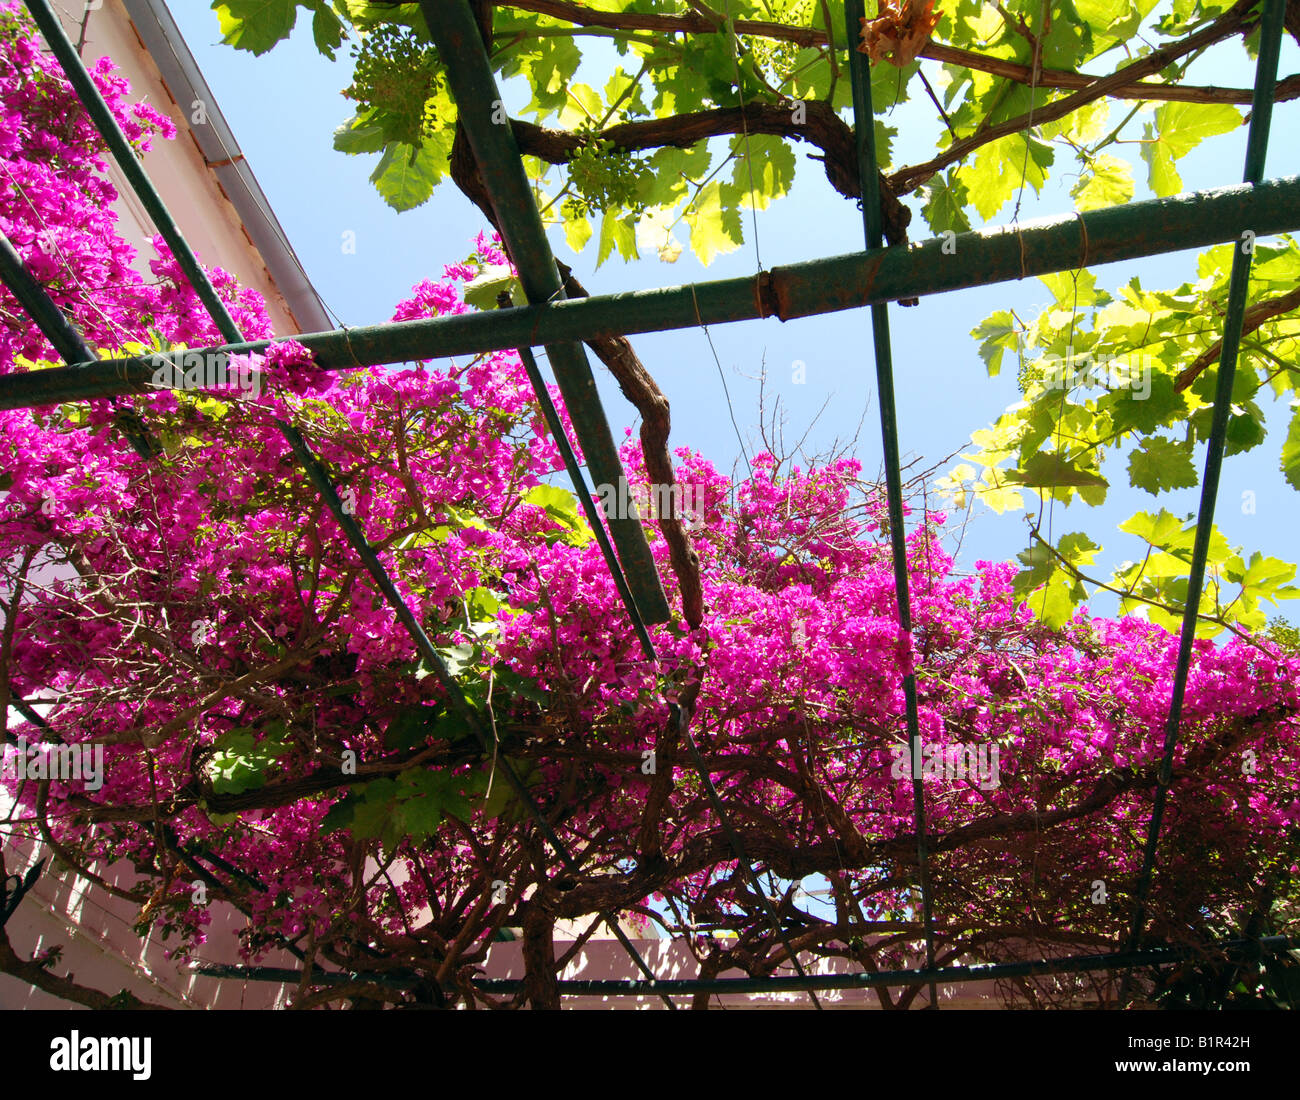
pixel 731 411
pixel 1036 54
pixel 744 129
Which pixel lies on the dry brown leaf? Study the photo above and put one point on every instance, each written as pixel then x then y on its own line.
pixel 900 31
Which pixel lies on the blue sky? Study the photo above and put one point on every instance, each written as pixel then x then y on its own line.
pixel 284 107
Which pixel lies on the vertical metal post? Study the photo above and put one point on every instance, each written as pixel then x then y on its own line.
pixel 865 141
pixel 1270 45
pixel 487 128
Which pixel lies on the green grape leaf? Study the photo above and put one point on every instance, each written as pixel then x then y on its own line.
pixel 1039 565
pixel 715 226
pixel 1245 430
pixel 1183 126
pixel 406 176
pixel 341 814
pixel 327 29
pixel 373 812
pixel 418 817
pixel 1162 176
pixel 1290 464
pixel 255 25
pixel 1107 182
pixel 1046 469
pixel 1054 602
pixel 995 175
pixel 770 161
pixel 240 761
pixel 359 135
pixel 617 231
pixel 481 292
pixel 997 333
pixel 1078 549
pixel 945 208
pixel 410 726
pixel 552 61
pixel 577 232
pixel 1167 532
pixel 1136 410
pixel 563 507
pixel 1178 129
pixel 1160 464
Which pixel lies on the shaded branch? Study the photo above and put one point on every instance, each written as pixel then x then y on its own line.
pixel 1232 22
pixel 694 23
pixel 1255 316
pixel 822 127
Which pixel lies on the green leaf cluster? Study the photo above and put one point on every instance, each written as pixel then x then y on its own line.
pixel 242 759
pixel 1131 377
pixel 414 803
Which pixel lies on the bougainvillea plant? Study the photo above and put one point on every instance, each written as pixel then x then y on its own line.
pixel 270 732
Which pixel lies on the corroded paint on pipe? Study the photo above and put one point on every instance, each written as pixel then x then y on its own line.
pixel 782 983
pixel 1062 243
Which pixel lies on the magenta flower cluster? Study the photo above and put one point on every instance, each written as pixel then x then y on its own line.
pixel 162 606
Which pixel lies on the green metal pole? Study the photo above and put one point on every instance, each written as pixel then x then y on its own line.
pixel 1270 44
pixel 481 114
pixel 1061 243
pixel 869 184
pixel 619 987
pixel 594 517
pixel 50 319
pixel 104 121
pixel 63 336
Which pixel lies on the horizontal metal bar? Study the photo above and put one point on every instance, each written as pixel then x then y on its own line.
pixel 1193 220
pixel 945 975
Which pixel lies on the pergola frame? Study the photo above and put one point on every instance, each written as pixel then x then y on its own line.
pixel 873 277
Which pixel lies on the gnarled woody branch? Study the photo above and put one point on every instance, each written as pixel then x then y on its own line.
pixel 37 973
pixel 822 127
pixel 825 129
pixel 1235 20
pixel 694 23
pixel 1256 316
pixel 637 385
pixel 794 859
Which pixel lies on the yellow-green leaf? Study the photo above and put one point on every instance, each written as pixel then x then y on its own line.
pixel 1108 183
pixel 715 231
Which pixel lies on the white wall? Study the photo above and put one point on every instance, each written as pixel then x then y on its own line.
pixel 101 949
pixel 99 945
pixel 207 219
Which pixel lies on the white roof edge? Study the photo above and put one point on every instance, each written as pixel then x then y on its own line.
pixel 165 44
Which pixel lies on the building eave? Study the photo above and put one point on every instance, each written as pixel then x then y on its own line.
pixel 161 37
